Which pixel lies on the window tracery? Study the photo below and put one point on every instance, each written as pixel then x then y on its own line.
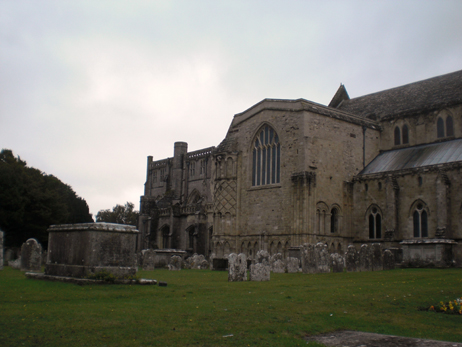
pixel 266 166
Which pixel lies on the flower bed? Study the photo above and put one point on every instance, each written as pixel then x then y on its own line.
pixel 452 307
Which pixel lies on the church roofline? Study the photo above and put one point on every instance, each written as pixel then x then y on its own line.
pixel 299 105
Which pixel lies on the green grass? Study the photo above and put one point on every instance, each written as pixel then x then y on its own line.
pixel 200 307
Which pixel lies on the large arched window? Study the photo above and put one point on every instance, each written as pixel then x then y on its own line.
pixel 420 220
pixel 266 164
pixel 375 224
pixel 165 236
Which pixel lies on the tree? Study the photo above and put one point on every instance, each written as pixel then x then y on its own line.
pixel 31 201
pixel 119 214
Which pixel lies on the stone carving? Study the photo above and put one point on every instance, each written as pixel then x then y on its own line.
pixel 352 259
pixel 262 269
pixel 388 260
pixel 365 258
pixel 1 250
pixel 322 258
pixel 176 263
pixel 292 265
pixel 196 262
pixel 377 260
pixel 148 259
pixel 308 258
pixel 337 262
pixel 31 256
pixel 237 267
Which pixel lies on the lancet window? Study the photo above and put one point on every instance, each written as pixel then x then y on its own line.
pixel 266 164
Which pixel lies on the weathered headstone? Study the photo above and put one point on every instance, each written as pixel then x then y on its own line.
pixel 261 270
pixel 365 258
pixel 237 267
pixel 1 250
pixel 148 259
pixel 292 265
pixel 31 256
pixel 377 260
pixel 388 260
pixel 352 259
pixel 308 261
pixel 197 261
pixel 337 262
pixel 278 266
pixel 322 258
pixel 15 264
pixel 175 263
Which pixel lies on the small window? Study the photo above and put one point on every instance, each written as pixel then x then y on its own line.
pixel 203 167
pixel 380 185
pixel 375 224
pixel 420 220
pixel 440 127
pixel 191 238
pixel 162 174
pixel 397 136
pixel 334 220
pixel 165 237
pixel 366 186
pixel 192 169
pixel 420 181
pixel 449 126
pixel 405 134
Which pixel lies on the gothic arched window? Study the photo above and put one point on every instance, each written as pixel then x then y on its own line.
pixel 266 164
pixel 397 136
pixel 334 220
pixel 420 221
pixel 405 134
pixel 375 224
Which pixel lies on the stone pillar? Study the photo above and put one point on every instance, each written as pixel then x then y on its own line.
pixel 180 150
pixel 442 206
pixel 31 256
pixel 391 208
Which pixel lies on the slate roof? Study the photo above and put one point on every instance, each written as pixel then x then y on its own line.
pixel 426 95
pixel 415 157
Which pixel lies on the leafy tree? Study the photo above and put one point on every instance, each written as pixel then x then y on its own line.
pixel 119 214
pixel 31 201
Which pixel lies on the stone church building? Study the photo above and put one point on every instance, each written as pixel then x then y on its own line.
pixel 384 167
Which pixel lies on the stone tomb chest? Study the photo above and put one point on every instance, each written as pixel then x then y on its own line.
pixel 76 250
pixel 428 253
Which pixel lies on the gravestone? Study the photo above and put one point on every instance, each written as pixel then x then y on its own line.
pixel 365 258
pixel 337 262
pixel 196 262
pixel 292 265
pixel 175 263
pixel 278 266
pixel 352 259
pixel 237 267
pixel 308 259
pixel 148 259
pixel 261 270
pixel 322 258
pixel 15 264
pixel 377 258
pixel 1 250
pixel 31 256
pixel 78 250
pixel 388 260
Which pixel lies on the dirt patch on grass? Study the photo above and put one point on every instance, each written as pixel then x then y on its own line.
pixel 360 339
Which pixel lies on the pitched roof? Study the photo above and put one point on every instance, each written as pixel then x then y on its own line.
pixel 415 157
pixel 426 95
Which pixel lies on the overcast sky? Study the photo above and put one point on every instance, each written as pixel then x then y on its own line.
pixel 89 89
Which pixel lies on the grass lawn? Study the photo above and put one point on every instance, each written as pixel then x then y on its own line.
pixel 200 307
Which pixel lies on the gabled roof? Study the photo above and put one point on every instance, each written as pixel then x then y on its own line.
pixel 416 157
pixel 430 94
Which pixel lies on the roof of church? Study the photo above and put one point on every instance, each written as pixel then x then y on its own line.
pixel 415 157
pixel 426 95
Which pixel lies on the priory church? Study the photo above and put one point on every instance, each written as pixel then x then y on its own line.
pixel 380 168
